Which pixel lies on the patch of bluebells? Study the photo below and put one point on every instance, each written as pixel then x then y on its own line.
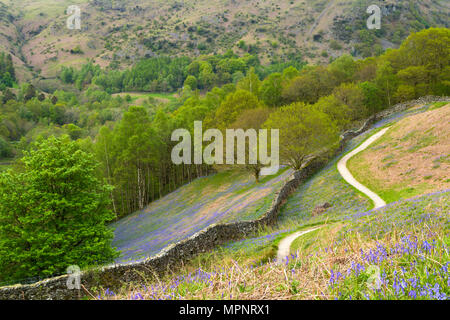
pixel 411 269
pixel 185 212
pixel 179 286
pixel 432 209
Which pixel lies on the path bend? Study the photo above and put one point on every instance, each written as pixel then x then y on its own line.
pixel 345 173
pixel 284 247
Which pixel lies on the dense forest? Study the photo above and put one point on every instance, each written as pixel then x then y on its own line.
pixel 167 74
pixel 128 147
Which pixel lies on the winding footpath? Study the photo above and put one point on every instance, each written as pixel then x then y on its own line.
pixel 285 244
pixel 284 247
pixel 345 173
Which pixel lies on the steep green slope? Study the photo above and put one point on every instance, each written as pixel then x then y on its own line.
pixel 225 197
pixel 327 186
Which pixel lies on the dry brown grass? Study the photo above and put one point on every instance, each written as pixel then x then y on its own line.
pixel 305 276
pixel 411 155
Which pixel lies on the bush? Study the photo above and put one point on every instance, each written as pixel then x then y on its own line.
pixel 76 50
pixel 5 149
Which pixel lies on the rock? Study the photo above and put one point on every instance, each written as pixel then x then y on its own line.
pixel 321 209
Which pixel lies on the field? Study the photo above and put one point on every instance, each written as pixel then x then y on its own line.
pixel 139 98
pixel 225 197
pixel 404 245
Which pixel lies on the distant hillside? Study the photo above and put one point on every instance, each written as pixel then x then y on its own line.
pixel 120 32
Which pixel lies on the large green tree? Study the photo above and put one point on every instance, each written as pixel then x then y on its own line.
pixel 304 131
pixel 53 213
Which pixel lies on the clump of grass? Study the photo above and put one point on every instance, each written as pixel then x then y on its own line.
pixel 438 105
pixel 390 164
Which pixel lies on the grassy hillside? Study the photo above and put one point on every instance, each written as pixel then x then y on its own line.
pixel 225 197
pixel 412 158
pixel 406 243
pixel 35 32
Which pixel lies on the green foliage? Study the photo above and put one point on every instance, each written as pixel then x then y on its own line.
pixel 8 95
pixel 7 72
pixel 191 81
pixel 74 131
pixel 76 50
pixel 234 104
pixel 271 90
pixel 59 213
pixel 343 69
pixel 162 74
pixel 422 62
pixel 309 86
pixel 304 131
pixel 6 150
pixel 338 111
pixel 345 91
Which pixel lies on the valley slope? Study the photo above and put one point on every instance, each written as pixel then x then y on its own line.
pixel 118 33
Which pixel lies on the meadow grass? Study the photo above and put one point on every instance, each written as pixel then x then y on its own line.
pixel 407 243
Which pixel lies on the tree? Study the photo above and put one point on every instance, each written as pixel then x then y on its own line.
pixel 29 92
pixel 271 90
pixel 427 50
pixel 8 95
pixel 304 132
pixel 5 148
pixel 233 105
pixel 343 69
pixel 251 119
pixel 404 93
pixel 338 111
pixel 372 97
pixel 128 155
pixel 7 72
pixel 59 215
pixel 191 81
pixel 73 131
pixel 386 81
pixel 250 82
pixel 352 95
pixel 417 78
pixel 309 86
pixel 41 97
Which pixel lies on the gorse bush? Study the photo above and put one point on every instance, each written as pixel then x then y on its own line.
pixel 53 212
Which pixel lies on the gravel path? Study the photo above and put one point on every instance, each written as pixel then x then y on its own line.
pixel 345 173
pixel 284 246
